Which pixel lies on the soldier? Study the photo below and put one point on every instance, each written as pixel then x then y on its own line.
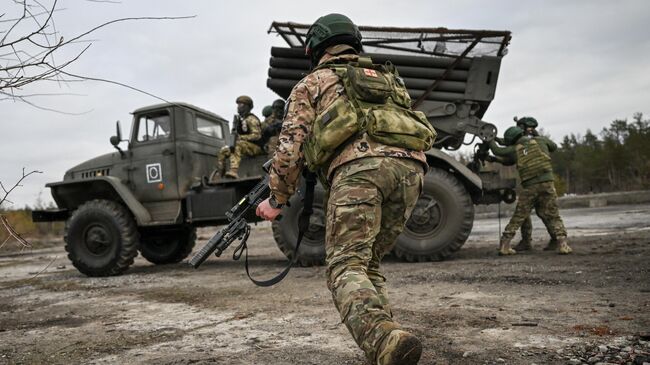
pixel 247 128
pixel 528 125
pixel 532 156
pixel 266 113
pixel 271 131
pixel 374 185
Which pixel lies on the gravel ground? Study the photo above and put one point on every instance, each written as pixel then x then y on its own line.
pixel 590 307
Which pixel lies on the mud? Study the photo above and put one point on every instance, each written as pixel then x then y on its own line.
pixel 476 308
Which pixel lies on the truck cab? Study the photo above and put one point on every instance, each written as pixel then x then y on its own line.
pixel 150 196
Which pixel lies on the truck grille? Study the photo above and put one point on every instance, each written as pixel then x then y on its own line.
pixel 95 173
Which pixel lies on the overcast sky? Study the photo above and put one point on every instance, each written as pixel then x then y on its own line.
pixel 573 65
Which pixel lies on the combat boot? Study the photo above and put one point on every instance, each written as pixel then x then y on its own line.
pixel 505 249
pixel 563 247
pixel 523 245
pixel 552 245
pixel 399 348
pixel 232 175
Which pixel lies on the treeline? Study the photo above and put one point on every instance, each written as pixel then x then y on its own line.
pixel 617 159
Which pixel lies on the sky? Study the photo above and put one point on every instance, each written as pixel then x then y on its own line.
pixel 574 66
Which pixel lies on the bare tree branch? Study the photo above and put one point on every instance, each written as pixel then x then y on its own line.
pixel 3 220
pixel 31 56
pixel 17 184
pixel 12 233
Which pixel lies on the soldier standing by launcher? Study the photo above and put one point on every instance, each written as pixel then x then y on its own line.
pixel 374 185
pixel 529 126
pixel 247 128
pixel 532 156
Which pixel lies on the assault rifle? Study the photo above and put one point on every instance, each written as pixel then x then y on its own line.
pixel 234 132
pixel 238 227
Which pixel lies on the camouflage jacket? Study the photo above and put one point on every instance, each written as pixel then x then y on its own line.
pixel 252 125
pixel 508 156
pixel 310 97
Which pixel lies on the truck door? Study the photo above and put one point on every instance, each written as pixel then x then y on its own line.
pixel 152 173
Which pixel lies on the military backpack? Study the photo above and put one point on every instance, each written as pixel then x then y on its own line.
pixel 377 103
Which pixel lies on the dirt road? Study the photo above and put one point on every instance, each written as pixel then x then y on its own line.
pixel 474 309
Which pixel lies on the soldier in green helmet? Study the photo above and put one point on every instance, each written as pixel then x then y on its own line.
pixel 374 180
pixel 266 113
pixel 248 129
pixel 532 157
pixel 529 126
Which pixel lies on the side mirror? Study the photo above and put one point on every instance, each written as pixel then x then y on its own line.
pixel 118 129
pixel 115 140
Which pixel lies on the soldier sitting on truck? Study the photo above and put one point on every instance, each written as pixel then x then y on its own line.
pixel 532 156
pixel 271 127
pixel 247 130
pixel 266 113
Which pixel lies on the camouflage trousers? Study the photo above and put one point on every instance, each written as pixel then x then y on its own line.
pixel 543 198
pixel 369 203
pixel 526 226
pixel 242 148
pixel 527 230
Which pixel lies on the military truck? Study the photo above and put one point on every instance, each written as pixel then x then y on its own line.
pixel 151 197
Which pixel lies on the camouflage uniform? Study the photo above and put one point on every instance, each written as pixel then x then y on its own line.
pixel 537 192
pixel 374 189
pixel 543 198
pixel 526 230
pixel 527 224
pixel 245 146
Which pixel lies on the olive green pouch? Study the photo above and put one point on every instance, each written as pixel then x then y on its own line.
pixel 400 127
pixel 368 84
pixel 332 128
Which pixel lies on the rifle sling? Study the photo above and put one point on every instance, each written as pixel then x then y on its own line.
pixel 303 225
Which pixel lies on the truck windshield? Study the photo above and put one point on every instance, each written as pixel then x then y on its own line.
pixel 154 127
pixel 209 128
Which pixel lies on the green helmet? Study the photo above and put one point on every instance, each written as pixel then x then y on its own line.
pixel 512 134
pixel 267 111
pixel 526 122
pixel 245 100
pixel 332 29
pixel 278 104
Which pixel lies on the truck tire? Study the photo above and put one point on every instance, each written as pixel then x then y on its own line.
pixel 101 238
pixel 285 232
pixel 441 221
pixel 167 247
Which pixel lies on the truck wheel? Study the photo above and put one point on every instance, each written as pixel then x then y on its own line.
pixel 101 238
pixel 441 221
pixel 167 247
pixel 285 232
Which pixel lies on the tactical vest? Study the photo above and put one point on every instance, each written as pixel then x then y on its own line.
pixel 531 160
pixel 377 103
pixel 240 129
